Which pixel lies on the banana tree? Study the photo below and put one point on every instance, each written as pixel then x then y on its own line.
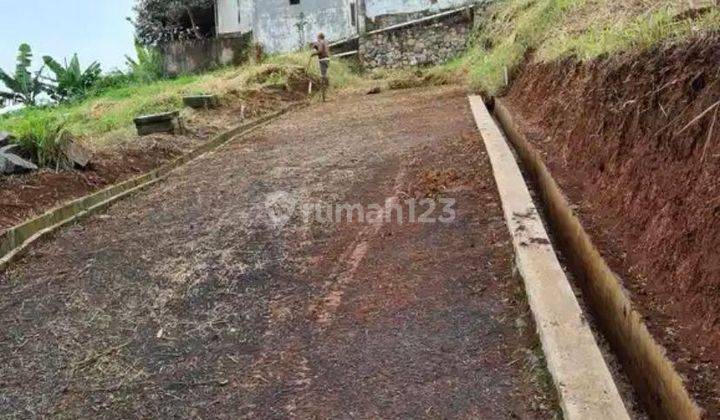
pixel 70 80
pixel 24 86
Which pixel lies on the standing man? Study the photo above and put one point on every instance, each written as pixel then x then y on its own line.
pixel 322 51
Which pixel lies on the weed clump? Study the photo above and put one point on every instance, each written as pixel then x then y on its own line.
pixel 43 136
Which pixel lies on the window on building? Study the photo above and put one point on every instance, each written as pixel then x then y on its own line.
pixel 353 14
pixel 294 2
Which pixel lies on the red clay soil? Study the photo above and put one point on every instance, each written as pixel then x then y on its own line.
pixel 25 196
pixel 635 142
pixel 189 301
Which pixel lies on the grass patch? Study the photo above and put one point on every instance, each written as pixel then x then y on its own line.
pixel 642 32
pixel 42 135
pixel 109 110
pixel 513 28
pixel 556 29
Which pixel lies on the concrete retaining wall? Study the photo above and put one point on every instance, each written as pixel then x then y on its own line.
pixel 376 8
pixel 206 54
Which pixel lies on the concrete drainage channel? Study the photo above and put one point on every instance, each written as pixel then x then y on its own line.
pixel 17 239
pixel 583 380
pixel 652 374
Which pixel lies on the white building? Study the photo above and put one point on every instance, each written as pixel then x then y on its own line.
pixel 284 25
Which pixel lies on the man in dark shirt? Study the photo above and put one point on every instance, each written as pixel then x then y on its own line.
pixel 322 51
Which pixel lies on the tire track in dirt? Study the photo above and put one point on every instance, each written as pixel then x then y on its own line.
pixel 323 310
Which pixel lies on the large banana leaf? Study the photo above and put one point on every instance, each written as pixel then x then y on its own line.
pixel 23 86
pixel 70 80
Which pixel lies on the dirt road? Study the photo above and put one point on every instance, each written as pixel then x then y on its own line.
pixel 198 298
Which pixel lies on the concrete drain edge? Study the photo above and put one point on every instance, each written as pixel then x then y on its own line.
pixel 582 378
pixel 652 373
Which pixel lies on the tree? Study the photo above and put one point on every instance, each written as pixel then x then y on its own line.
pixel 161 21
pixel 24 86
pixel 70 80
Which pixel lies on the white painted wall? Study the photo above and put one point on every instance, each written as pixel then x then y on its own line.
pixel 276 22
pixel 376 8
pixel 228 13
pixel 247 15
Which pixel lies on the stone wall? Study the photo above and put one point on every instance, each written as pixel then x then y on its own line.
pixel 384 21
pixel 425 43
pixel 194 56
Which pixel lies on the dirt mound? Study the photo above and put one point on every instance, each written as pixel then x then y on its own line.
pixel 634 140
pixel 293 79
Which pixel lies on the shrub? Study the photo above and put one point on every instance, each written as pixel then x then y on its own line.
pixel 148 66
pixel 24 86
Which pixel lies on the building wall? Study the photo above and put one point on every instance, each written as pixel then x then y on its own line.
pixel 247 15
pixel 184 57
pixel 375 8
pixel 277 22
pixel 227 16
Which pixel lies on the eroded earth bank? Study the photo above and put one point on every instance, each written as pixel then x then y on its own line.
pixel 634 141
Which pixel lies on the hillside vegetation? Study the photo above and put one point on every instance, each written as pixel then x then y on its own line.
pixel 111 112
pixel 547 30
pixel 510 31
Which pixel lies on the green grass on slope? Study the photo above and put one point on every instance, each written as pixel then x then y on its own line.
pixel 551 30
pixel 645 31
pixel 115 109
pixel 516 27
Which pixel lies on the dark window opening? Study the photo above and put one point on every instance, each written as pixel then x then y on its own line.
pixel 204 19
pixel 294 2
pixel 353 14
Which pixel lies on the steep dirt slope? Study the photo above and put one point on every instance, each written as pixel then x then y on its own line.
pixel 635 141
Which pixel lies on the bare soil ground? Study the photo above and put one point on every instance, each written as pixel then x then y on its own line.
pixel 635 142
pixel 187 300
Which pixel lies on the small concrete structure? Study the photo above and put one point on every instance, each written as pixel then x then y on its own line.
pixel 201 101
pixel 167 122
pixel 5 138
pixel 11 163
